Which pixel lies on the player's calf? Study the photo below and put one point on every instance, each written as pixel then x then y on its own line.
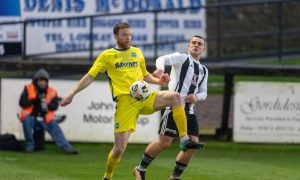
pixel 139 174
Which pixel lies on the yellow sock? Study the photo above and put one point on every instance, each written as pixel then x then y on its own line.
pixel 111 164
pixel 180 120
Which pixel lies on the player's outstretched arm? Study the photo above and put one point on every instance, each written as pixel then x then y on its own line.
pixel 83 83
pixel 163 79
pixel 157 73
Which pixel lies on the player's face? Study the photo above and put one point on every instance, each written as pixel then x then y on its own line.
pixel 196 46
pixel 123 38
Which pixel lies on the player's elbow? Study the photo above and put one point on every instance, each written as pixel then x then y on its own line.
pixel 202 96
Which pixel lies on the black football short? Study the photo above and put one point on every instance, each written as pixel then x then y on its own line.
pixel 168 127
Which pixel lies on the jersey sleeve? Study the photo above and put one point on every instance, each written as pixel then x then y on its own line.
pixel 143 64
pixel 99 66
pixel 170 59
pixel 202 91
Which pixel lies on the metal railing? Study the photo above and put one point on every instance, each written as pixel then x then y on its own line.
pixel 216 53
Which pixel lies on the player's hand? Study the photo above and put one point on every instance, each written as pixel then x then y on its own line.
pixel 157 73
pixel 191 98
pixel 164 79
pixel 66 100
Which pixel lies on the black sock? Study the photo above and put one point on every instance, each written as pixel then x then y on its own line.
pixel 146 161
pixel 178 169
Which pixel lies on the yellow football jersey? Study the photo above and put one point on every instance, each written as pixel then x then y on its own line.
pixel 123 67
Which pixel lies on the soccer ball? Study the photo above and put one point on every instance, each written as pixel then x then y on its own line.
pixel 140 90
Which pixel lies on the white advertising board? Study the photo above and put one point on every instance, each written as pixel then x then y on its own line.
pixel 89 117
pixel 73 34
pixel 267 112
pixel 10 11
pixel 10 33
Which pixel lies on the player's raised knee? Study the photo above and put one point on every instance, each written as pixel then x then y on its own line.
pixel 175 98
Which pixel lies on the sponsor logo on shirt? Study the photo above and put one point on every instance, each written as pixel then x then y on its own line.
pixel 126 64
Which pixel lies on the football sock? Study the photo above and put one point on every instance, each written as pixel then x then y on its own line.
pixel 111 164
pixel 178 169
pixel 180 120
pixel 146 161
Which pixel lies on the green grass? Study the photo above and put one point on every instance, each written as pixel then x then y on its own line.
pixel 219 160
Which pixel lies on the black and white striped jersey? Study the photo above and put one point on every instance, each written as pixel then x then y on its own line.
pixel 188 76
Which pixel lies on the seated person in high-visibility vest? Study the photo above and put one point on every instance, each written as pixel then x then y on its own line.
pixel 38 103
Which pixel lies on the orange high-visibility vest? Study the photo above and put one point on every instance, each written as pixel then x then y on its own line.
pixel 50 94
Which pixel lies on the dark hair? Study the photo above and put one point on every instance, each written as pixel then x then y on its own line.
pixel 198 36
pixel 120 25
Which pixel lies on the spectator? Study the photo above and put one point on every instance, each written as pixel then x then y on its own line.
pixel 38 103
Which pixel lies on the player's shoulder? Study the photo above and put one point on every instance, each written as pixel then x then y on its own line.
pixel 105 54
pixel 204 67
pixel 179 55
pixel 132 48
pixel 107 51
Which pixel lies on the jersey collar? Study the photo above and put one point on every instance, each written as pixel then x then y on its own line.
pixel 120 49
pixel 196 61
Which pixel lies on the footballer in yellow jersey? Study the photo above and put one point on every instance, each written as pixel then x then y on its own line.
pixel 123 67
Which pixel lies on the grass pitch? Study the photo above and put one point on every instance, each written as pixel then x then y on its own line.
pixel 219 160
